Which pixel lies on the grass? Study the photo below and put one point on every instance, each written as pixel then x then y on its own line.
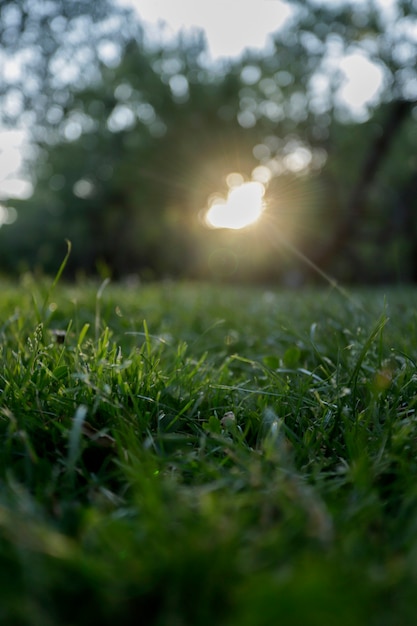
pixel 183 454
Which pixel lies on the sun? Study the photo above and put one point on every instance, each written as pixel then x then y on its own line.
pixel 243 206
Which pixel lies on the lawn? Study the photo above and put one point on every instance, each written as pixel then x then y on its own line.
pixel 189 455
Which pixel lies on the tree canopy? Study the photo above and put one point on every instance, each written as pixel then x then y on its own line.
pixel 131 138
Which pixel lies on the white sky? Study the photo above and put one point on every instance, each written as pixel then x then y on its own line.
pixel 230 27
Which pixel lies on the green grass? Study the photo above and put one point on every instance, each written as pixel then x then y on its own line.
pixel 195 455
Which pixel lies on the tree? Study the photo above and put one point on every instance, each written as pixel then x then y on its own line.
pixel 49 47
pixel 126 162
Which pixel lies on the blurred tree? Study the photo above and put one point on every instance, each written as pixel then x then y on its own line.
pixel 126 160
pixel 123 168
pixel 49 46
pixel 364 153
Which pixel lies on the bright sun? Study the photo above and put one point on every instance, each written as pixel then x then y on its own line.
pixel 243 206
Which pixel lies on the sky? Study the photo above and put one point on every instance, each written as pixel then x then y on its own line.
pixel 230 27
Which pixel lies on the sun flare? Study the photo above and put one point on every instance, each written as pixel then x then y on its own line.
pixel 243 206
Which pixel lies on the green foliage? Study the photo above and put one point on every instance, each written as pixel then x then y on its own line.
pixel 126 160
pixel 197 455
pixel 49 42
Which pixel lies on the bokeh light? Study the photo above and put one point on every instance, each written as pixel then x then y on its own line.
pixel 8 215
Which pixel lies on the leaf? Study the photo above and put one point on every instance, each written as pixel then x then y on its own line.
pixel 272 362
pixel 292 357
pixel 82 334
pixel 60 371
pixel 213 425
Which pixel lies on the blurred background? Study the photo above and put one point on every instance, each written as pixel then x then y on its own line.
pixel 209 140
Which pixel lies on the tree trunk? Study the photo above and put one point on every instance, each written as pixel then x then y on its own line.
pixel 356 205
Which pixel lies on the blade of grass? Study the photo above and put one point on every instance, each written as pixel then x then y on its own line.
pixel 74 442
pixel 57 278
pixel 98 307
pixel 382 321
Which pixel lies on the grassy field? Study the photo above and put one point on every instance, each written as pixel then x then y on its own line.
pixel 189 455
